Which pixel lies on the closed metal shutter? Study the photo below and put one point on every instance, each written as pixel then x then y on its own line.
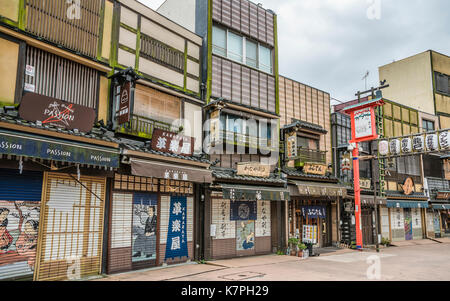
pixel 119 255
pixel 70 238
pixel 397 224
pixel 20 196
pixel 384 213
pixel 417 223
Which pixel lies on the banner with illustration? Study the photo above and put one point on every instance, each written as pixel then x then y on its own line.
pixel 176 246
pixel 245 235
pixel 243 211
pixel 144 226
pixel 19 224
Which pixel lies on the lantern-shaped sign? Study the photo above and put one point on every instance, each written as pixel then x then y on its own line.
pixel 418 144
pixel 444 140
pixel 394 147
pixel 406 145
pixel 432 142
pixel 383 148
pixel 346 164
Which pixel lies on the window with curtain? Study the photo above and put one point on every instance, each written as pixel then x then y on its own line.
pixel 219 41
pixel 235 47
pixel 251 54
pixel 265 59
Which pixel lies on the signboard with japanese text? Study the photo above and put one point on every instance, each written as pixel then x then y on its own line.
pixel 315 169
pixel 263 224
pixel 314 211
pixel 169 142
pixel 365 183
pixel 291 145
pixel 363 123
pixel 176 246
pixel 253 169
pixel 123 116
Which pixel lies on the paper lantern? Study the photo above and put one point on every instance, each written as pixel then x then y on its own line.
pixel 444 140
pixel 432 142
pixel 418 144
pixel 394 147
pixel 406 145
pixel 383 147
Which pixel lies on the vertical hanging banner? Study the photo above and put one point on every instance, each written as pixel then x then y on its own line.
pixel 125 103
pixel 176 246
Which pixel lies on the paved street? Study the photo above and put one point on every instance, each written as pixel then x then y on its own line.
pixel 423 260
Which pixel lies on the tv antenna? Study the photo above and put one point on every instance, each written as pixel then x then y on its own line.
pixel 365 79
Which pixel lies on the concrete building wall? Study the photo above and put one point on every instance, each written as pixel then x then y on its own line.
pixel 181 12
pixel 410 82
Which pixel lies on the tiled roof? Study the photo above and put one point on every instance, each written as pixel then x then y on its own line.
pixel 218 100
pixel 306 125
pixel 415 195
pixel 230 174
pixel 142 147
pixel 98 133
pixel 297 173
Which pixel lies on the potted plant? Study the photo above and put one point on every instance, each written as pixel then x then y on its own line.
pixel 293 246
pixel 385 242
pixel 301 247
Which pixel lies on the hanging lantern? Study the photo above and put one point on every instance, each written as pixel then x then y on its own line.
pixel 418 144
pixel 432 142
pixel 394 147
pixel 383 147
pixel 444 140
pixel 406 145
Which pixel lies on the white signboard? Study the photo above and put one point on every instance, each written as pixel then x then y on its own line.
pixel 406 145
pixel 29 88
pixel 29 70
pixel 309 234
pixel 363 123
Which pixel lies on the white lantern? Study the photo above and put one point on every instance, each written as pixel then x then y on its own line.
pixel 383 147
pixel 406 145
pixel 418 144
pixel 432 142
pixel 394 147
pixel 444 140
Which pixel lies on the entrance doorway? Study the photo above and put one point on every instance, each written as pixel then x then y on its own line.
pixel 408 224
pixel 367 226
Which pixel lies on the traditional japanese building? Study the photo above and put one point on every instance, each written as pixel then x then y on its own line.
pixel 245 207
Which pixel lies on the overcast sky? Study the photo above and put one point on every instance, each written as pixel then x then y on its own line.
pixel 331 44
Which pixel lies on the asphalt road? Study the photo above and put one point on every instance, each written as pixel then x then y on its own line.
pixel 430 262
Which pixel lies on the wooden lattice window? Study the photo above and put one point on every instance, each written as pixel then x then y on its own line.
pixel 135 183
pixel 160 53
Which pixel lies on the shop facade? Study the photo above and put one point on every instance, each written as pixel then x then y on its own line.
pixel 152 214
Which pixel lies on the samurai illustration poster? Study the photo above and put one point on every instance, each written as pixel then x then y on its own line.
pixel 245 235
pixel 144 226
pixel 19 224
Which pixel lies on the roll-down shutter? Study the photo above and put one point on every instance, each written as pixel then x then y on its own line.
pixel 70 244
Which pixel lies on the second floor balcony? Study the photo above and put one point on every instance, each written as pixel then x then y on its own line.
pixel 305 155
pixel 143 127
pixel 244 140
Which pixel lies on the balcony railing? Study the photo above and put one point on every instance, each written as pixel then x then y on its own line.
pixel 244 140
pixel 143 127
pixel 310 155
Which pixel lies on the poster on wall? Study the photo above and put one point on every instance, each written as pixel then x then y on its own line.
pixel 19 224
pixel 176 246
pixel 309 234
pixel 245 235
pixel 144 226
pixel 243 211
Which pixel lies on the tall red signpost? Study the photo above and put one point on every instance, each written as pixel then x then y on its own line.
pixel 364 128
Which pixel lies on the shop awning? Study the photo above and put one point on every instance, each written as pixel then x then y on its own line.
pixel 314 189
pixel 406 204
pixel 264 193
pixel 32 146
pixel 369 200
pixel 162 170
pixel 441 206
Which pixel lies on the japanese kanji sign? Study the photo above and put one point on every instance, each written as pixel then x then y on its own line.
pixel 176 246
pixel 314 211
pixel 169 142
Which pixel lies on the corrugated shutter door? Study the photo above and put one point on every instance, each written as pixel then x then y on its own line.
pixel 71 230
pixel 164 225
pixel 20 196
pixel 397 224
pixel 417 223
pixel 119 255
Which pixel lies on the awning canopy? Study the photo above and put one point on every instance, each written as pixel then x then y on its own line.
pixel 162 170
pixel 441 206
pixel 406 204
pixel 264 193
pixel 314 189
pixel 369 200
pixel 33 146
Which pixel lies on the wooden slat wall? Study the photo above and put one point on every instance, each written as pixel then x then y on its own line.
pixel 245 17
pixel 61 78
pixel 243 85
pixel 302 102
pixel 48 20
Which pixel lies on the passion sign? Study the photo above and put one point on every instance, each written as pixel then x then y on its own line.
pixel 51 111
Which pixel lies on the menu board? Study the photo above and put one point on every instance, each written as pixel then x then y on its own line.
pixel 309 234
